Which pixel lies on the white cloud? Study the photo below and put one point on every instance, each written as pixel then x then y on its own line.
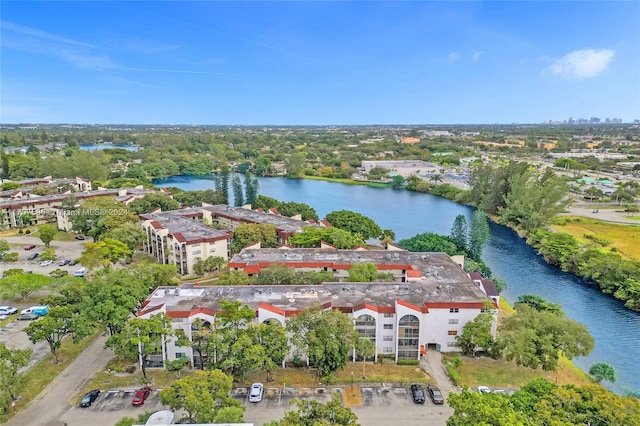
pixel 453 57
pixel 476 55
pixel 582 64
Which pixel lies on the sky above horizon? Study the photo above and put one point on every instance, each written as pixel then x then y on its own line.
pixel 318 63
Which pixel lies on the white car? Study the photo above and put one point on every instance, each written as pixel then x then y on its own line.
pixel 46 263
pixel 484 389
pixel 255 394
pixel 8 310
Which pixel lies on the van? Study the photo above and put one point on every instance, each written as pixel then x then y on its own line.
pixel 81 272
pixel 33 312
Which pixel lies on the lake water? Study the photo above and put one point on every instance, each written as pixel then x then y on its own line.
pixel 616 330
pixel 99 147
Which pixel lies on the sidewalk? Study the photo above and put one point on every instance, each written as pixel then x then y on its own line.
pixel 432 364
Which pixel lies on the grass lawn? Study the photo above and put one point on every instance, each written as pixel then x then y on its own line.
pixel 375 373
pixel 625 238
pixel 501 373
pixel 632 217
pixel 8 319
pixel 45 371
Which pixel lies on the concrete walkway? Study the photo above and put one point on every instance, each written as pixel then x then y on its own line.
pixel 432 364
pixel 55 399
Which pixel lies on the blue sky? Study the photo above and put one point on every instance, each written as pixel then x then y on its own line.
pixel 318 63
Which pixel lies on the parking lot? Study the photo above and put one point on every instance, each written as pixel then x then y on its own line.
pixel 110 407
pixel 390 405
pixel 13 336
pixel 69 250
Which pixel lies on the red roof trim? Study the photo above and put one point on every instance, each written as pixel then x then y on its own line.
pixel 459 305
pixel 411 306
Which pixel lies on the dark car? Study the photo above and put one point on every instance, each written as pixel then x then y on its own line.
pixel 32 256
pixel 141 395
pixel 63 262
pixel 90 398
pixel 31 247
pixel 417 393
pixel 72 262
pixel 435 394
pixel 79 237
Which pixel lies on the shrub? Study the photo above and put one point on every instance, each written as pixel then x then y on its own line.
pixel 408 362
pixel 27 232
pixel 20 232
pixel 10 257
pixel 453 375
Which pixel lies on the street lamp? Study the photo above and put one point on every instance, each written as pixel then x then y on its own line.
pixel 352 382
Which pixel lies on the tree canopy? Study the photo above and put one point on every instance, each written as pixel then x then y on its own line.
pixel 355 223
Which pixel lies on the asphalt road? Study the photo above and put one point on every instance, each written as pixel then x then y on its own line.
pixel 56 399
pixel 14 337
pixel 64 250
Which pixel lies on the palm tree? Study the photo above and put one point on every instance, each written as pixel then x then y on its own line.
pixel 436 178
pixel 366 349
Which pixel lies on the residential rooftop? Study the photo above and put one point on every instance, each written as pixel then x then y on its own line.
pixel 181 225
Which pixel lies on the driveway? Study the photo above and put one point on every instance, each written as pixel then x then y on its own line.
pixel 55 400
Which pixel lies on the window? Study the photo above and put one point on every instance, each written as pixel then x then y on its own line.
pixel 388 326
pixel 387 350
pixel 180 355
pixel 387 338
pixel 196 252
pixel 453 310
pixel 212 250
pixel 452 332
pixel 453 321
pixel 388 315
pixel 451 344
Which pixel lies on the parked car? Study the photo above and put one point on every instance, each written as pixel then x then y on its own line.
pixel 8 310
pixel 417 393
pixel 30 247
pixel 32 256
pixel 80 237
pixel 255 394
pixel 435 394
pixel 46 263
pixel 81 272
pixel 90 398
pixel 484 389
pixel 34 312
pixel 72 263
pixel 141 396
pixel 63 262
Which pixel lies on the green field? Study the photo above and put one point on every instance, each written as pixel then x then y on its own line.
pixel 624 238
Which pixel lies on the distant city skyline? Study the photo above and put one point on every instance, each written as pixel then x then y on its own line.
pixel 319 63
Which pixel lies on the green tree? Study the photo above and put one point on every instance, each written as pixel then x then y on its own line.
pixel 535 338
pixel 238 195
pixel 273 338
pixel 47 233
pixel 205 341
pixel 430 242
pixel 201 395
pixel 142 337
pixel 112 297
pixel 478 234
pixel 327 337
pixel 4 248
pixel 314 413
pixel 538 303
pixel 129 233
pixel 99 215
pixel 362 272
pixel 476 334
pixel 103 253
pixel 153 201
pixel 251 187
pixel 57 324
pixel 251 233
pixel 398 182
pixel 355 223
pixel 472 408
pixel 459 234
pixel 603 371
pixel 313 237
pixel 23 285
pixel 366 348
pixel 12 381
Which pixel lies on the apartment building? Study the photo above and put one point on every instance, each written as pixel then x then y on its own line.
pixel 424 312
pixel 232 217
pixel 179 237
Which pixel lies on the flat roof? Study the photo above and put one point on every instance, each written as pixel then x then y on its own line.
pixel 179 223
pixel 241 214
pixel 441 284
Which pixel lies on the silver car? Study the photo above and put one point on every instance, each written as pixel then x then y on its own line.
pixel 255 394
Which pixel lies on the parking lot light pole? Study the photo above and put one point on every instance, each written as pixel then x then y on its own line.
pixel 352 383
